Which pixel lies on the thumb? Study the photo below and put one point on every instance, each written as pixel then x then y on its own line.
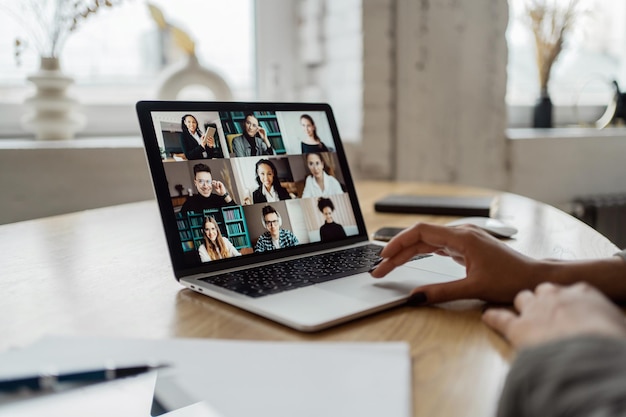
pixel 440 293
pixel 500 320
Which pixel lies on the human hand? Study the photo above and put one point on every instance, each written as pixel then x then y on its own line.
pixel 209 141
pixel 554 312
pixel 219 187
pixel 494 271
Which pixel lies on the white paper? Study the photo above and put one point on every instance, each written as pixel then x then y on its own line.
pixel 200 409
pixel 243 378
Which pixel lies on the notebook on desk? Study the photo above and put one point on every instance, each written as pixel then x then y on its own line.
pixel 273 225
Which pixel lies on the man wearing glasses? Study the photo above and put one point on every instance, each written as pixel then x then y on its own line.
pixel 211 193
pixel 275 237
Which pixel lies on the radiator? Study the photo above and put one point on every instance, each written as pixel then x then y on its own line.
pixel 605 213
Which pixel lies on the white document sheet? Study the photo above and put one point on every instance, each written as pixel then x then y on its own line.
pixel 244 378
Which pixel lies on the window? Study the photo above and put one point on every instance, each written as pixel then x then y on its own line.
pixel 117 56
pixel 594 55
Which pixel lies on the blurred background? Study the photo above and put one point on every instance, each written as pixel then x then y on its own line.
pixel 438 91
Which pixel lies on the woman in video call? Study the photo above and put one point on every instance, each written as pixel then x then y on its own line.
pixel 253 141
pixel 329 230
pixel 215 245
pixel 312 143
pixel 269 189
pixel 195 144
pixel 319 183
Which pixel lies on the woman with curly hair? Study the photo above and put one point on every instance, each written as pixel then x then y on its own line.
pixel 330 230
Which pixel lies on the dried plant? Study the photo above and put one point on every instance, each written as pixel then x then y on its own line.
pixel 48 23
pixel 181 38
pixel 551 21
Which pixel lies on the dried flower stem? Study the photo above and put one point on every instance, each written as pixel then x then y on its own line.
pixel 48 23
pixel 550 24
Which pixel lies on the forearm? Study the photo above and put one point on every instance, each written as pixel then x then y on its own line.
pixel 607 275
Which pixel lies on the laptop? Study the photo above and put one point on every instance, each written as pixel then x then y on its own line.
pixel 262 213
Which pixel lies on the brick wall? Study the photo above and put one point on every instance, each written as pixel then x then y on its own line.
pixel 418 86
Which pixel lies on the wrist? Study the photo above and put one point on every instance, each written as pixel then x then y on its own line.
pixel 226 195
pixel 607 275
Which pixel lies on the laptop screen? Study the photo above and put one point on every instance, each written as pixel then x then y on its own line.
pixel 240 183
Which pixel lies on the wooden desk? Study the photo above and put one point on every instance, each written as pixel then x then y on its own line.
pixel 106 272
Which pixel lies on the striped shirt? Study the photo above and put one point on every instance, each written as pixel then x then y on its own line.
pixel 285 238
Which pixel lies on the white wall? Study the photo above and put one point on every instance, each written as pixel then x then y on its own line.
pixel 378 153
pixel 450 87
pixel 420 85
pixel 319 60
pixel 39 179
pixel 559 168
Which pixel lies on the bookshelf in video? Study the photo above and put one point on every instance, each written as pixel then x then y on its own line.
pixel 251 182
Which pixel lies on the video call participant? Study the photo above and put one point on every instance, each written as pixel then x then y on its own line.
pixel 215 245
pixel 211 193
pixel 330 230
pixel 312 143
pixel 319 183
pixel 269 189
pixel 249 144
pixel 195 144
pixel 275 237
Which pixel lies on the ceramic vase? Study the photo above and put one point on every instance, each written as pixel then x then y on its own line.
pixel 51 113
pixel 188 73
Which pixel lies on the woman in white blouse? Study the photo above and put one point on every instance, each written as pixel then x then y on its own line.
pixel 320 183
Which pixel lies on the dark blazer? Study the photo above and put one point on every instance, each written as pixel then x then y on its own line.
pixel 193 150
pixel 259 197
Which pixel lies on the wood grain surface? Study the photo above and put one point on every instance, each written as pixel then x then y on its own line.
pixel 106 272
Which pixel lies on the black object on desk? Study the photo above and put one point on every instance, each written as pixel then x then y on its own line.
pixel 50 382
pixel 435 204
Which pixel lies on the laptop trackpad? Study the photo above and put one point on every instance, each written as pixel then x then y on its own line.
pixel 400 282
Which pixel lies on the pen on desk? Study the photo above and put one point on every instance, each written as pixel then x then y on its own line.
pixel 47 382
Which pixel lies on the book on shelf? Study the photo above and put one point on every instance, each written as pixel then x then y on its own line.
pixel 234 228
pixel 188 245
pixel 232 214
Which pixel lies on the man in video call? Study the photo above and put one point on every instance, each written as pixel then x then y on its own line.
pixel 211 193
pixel 275 237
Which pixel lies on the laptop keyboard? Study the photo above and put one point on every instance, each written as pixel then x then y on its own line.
pixel 288 275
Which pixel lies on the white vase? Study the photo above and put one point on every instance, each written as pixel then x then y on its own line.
pixel 51 113
pixel 188 73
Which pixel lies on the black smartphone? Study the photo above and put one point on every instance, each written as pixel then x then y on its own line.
pixel 386 233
